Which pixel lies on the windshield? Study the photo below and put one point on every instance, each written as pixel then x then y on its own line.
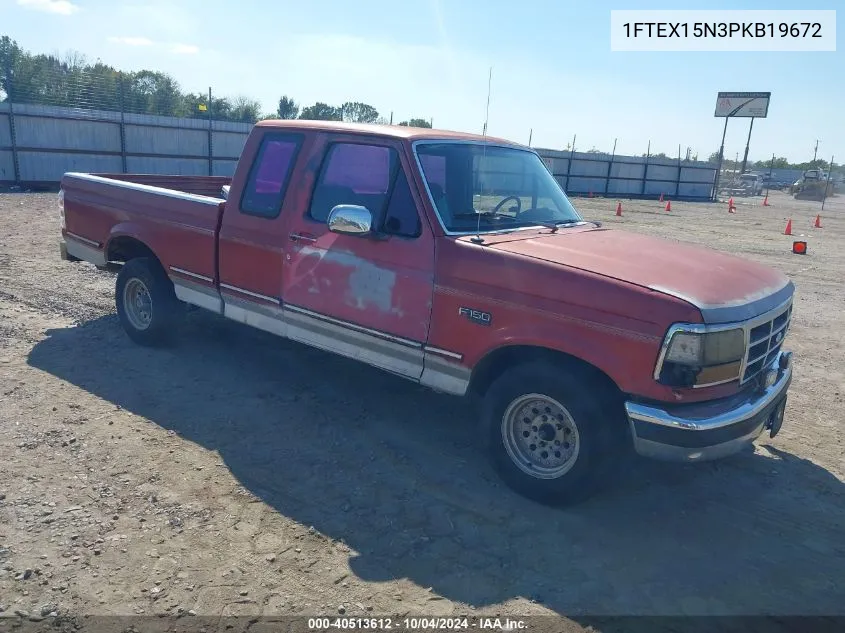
pixel 493 188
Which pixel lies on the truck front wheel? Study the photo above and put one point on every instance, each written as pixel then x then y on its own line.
pixel 146 303
pixel 551 434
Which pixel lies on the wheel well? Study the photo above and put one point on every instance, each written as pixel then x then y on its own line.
pixel 498 361
pixel 122 249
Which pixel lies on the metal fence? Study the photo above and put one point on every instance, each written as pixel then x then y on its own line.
pixel 630 176
pixel 39 143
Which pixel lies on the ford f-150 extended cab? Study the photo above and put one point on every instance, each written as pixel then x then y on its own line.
pixel 458 262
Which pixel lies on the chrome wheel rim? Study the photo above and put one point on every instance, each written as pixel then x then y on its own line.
pixel 137 304
pixel 540 436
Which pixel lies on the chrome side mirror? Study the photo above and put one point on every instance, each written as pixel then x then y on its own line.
pixel 351 219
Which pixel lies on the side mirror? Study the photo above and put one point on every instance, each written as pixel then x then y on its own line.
pixel 351 219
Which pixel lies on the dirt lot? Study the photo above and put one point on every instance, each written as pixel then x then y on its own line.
pixel 241 474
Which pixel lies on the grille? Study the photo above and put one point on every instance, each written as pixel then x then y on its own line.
pixel 764 342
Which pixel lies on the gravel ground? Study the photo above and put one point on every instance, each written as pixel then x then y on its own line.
pixel 238 473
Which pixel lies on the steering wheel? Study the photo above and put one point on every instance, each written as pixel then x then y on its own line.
pixel 504 200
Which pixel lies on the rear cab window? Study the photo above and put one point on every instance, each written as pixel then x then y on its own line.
pixel 269 175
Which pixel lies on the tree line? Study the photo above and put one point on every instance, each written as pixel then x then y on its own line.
pixel 73 81
pixel 761 165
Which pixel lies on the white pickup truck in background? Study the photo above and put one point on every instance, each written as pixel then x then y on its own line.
pixel 751 184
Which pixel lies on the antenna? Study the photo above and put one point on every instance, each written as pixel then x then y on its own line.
pixel 478 239
pixel 487 112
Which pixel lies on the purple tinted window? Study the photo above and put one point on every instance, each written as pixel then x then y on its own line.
pixel 362 168
pixel 265 187
pixel 353 174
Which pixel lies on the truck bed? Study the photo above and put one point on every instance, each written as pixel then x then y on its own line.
pixel 176 216
pixel 210 186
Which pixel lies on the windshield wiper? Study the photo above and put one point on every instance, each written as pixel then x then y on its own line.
pixel 486 213
pixel 554 226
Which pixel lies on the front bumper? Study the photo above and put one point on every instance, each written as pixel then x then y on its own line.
pixel 710 430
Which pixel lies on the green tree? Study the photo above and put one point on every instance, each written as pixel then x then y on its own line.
pixel 320 112
pixel 416 123
pixel 151 92
pixel 245 110
pixel 779 163
pixel 357 112
pixel 288 108
pixel 11 58
pixel 195 105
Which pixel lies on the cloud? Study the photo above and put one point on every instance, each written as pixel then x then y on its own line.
pixel 61 7
pixel 131 41
pixel 184 49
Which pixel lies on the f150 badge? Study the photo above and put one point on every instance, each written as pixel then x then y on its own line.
pixel 476 316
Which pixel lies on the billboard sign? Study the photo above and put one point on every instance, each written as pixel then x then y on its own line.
pixel 743 104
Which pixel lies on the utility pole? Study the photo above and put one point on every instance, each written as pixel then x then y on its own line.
pixel 815 152
pixel 747 143
pixel 827 182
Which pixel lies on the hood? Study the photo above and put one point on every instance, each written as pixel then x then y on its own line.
pixel 723 287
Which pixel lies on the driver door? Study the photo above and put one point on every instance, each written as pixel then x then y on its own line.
pixel 360 296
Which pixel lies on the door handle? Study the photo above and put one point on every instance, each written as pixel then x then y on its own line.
pixel 302 237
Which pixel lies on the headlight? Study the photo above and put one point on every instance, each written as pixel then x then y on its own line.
pixel 699 359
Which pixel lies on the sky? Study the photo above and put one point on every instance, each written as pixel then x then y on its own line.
pixel 553 73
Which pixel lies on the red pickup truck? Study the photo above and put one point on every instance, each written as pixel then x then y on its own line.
pixel 458 262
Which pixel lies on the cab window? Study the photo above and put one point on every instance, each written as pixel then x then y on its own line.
pixel 268 178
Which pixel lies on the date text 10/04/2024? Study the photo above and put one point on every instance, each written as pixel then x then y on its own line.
pixel 416 624
pixel 723 29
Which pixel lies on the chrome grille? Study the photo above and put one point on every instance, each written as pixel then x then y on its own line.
pixel 764 341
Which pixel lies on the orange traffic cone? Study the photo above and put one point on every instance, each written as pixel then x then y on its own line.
pixel 818 223
pixel 788 229
pixel 619 209
pixel 661 198
pixel 766 201
pixel 668 205
pixel 731 206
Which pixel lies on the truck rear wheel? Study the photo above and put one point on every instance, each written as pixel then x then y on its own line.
pixel 551 435
pixel 146 303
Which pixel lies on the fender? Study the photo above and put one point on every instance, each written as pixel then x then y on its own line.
pixel 618 353
pixel 134 230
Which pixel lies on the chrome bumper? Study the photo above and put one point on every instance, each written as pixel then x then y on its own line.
pixel 710 430
pixel 74 250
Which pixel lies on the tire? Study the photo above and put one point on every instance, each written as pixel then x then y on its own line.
pixel 569 417
pixel 146 303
